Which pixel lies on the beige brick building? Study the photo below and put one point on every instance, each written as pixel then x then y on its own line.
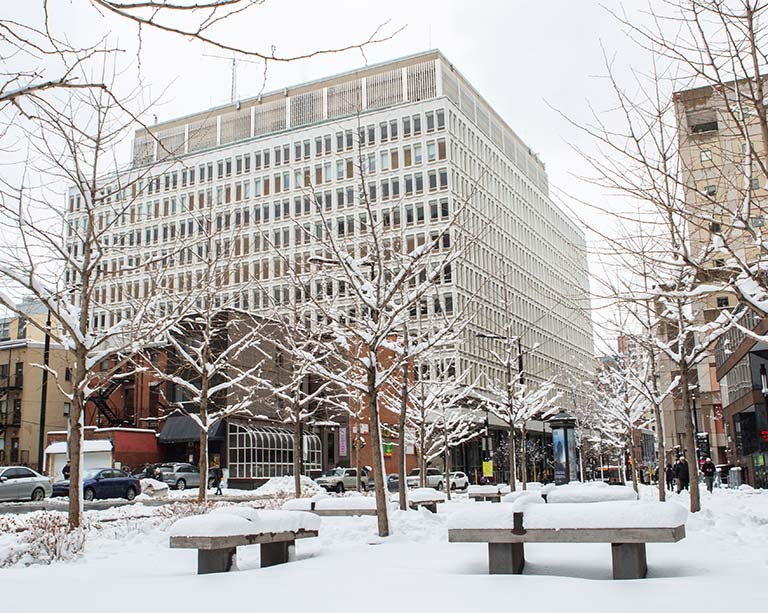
pixel 21 350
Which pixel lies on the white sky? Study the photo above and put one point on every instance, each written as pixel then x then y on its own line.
pixel 523 56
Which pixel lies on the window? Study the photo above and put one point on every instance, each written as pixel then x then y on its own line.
pixel 705 155
pixel 715 227
pixel 67 407
pixel 755 183
pixel 722 302
pixel 710 191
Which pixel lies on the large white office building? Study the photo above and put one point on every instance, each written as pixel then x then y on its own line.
pixel 263 166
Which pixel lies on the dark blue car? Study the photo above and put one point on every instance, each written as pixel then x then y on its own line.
pixel 103 483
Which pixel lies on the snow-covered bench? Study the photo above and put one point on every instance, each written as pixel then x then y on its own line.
pixel 627 526
pixel 426 497
pixel 484 493
pixel 332 506
pixel 217 535
pixel 591 491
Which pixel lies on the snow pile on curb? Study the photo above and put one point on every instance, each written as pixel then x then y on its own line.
pixel 284 486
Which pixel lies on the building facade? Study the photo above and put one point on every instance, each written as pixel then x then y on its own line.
pixel 271 173
pixel 21 396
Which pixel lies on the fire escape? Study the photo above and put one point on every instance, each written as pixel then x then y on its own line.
pixel 107 415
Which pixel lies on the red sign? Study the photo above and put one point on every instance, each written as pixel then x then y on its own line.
pixel 764 434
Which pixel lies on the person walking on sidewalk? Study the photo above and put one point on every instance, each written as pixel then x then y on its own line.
pixel 709 469
pixel 669 475
pixel 218 476
pixel 682 476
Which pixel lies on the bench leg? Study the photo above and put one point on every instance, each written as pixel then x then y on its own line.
pixel 275 553
pixel 629 561
pixel 506 558
pixel 432 506
pixel 215 560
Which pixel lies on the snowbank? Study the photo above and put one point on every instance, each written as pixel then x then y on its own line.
pixel 284 486
pixel 154 488
pixel 590 493
pixel 619 514
pixel 248 513
pixel 425 494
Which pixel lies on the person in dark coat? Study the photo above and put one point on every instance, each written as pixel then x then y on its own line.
pixel 709 469
pixel 66 471
pixel 669 475
pixel 682 476
pixel 218 476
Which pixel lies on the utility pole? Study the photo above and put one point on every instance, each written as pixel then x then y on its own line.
pixel 44 391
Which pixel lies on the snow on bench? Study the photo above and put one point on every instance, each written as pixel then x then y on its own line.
pixel 484 492
pixel 334 506
pixel 627 526
pixel 217 535
pixel 529 496
pixel 426 497
pixel 597 492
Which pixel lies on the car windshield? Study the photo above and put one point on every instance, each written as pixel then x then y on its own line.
pixel 91 474
pixel 414 473
pixel 336 472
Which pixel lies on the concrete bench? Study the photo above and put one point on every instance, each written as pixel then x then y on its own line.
pixel 506 543
pixel 425 497
pixel 429 505
pixel 215 553
pixel 485 496
pixel 328 506
pixel 218 534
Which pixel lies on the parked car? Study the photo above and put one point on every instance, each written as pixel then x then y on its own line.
pixel 22 483
pixel 180 475
pixel 392 481
pixel 459 481
pixel 103 483
pixel 434 478
pixel 342 479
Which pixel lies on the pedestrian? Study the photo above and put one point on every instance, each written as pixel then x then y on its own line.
pixel 158 473
pixel 682 476
pixel 66 471
pixel 218 475
pixel 709 469
pixel 669 475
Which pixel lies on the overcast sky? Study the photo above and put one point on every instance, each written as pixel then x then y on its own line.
pixel 526 57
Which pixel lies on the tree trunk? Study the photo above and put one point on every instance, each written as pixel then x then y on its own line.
pixel 632 460
pixel 447 467
pixel 75 442
pixel 512 463
pixel 376 451
pixel 523 456
pixel 202 495
pixel 402 497
pixel 690 441
pixel 661 472
pixel 297 456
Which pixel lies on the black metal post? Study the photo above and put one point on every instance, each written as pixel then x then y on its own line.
pixel 44 392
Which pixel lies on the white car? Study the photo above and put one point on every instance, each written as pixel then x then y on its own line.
pixel 434 478
pixel 459 481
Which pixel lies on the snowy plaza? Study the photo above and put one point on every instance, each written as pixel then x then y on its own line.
pixel 127 565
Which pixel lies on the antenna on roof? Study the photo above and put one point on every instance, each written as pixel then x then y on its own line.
pixel 233 76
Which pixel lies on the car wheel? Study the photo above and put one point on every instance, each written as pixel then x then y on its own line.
pixel 440 486
pixel 38 494
pixel 89 494
pixel 181 484
pixel 466 486
pixel 130 494
pixel 453 486
pixel 339 488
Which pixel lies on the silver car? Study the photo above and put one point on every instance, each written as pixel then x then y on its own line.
pixel 22 483
pixel 180 475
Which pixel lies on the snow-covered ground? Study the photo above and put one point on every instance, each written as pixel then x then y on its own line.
pixel 127 565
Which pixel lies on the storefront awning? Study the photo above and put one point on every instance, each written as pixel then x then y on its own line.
pixel 184 429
